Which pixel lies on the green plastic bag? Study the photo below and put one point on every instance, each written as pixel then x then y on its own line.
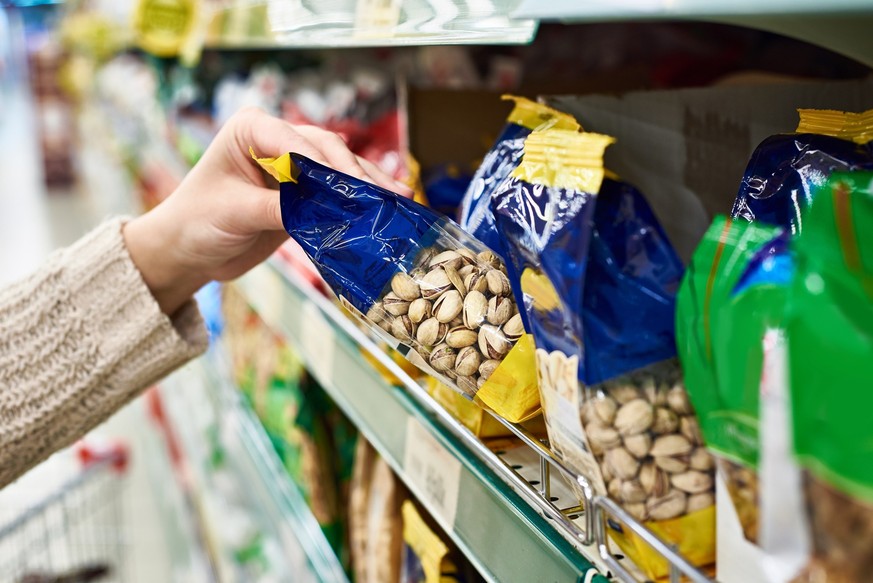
pixel 829 324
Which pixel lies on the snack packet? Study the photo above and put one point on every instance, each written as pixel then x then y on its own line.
pixel 432 291
pixel 721 323
pixel 785 170
pixel 425 557
pixel 829 325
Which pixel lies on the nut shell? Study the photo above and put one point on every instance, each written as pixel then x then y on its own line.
pixel 666 421
pixel 474 310
pixel 487 368
pixel 622 463
pixel 468 361
pixel 492 342
pixel 677 399
pixel 448 306
pixel 431 332
pixel 692 482
pixel 446 258
pixel 405 287
pixel 456 280
pixel 671 445
pixel 671 505
pixel 514 328
pixel 394 304
pixel 419 310
pixel 434 283
pixel 632 491
pixel 634 417
pixel 701 460
pixel 639 444
pixel 700 501
pixel 498 283
pixel 403 329
pixel 499 310
pixel 461 336
pixel 442 358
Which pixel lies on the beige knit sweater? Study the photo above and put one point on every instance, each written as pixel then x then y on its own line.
pixel 79 339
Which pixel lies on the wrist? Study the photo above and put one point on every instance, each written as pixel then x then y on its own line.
pixel 153 251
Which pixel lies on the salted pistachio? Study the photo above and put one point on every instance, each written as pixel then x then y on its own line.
pixel 431 332
pixel 434 283
pixel 487 368
pixel 474 310
pixel 498 283
pixel 671 445
pixel 456 280
pixel 689 427
pixel 425 256
pixel 419 310
pixel 468 361
pixel 666 421
pixel 448 306
pixel 461 336
pixel 670 505
pixel 654 393
pixel 677 399
pixel 622 463
pixel 394 304
pixel 405 287
pixel 606 472
pixel 632 491
pixel 458 322
pixel 602 436
pixel 475 281
pixel 654 480
pixel 634 417
pixel 637 510
pixel 417 273
pixel 587 413
pixel 700 459
pixel 605 408
pixel 639 444
pixel 692 481
pixel 672 464
pixel 403 329
pixel 468 257
pixel 613 487
pixel 492 342
pixel 446 258
pixel 386 324
pixel 514 327
pixel 466 270
pixel 468 384
pixel 488 258
pixel 624 393
pixel 499 310
pixel 442 358
pixel 700 501
pixel 376 313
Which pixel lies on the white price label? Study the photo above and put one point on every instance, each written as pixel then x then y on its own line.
pixel 318 342
pixel 265 292
pixel 375 16
pixel 433 472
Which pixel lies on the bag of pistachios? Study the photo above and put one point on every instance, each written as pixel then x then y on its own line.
pixel 433 292
pixel 785 170
pixel 829 327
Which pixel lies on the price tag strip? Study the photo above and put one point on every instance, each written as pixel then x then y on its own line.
pixel 433 472
pixel 320 342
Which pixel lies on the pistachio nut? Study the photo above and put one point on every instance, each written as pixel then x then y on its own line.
pixel 605 408
pixel 700 501
pixel 656 395
pixel 468 361
pixel 632 491
pixel 467 384
pixel 639 444
pixel 487 368
pixel 466 271
pixel 394 304
pixel 677 399
pixel 448 306
pixel 606 472
pixel 634 417
pixel 425 256
pixel 475 309
pixel 419 310
pixel 602 436
pixel 456 280
pixel 442 358
pixel 654 480
pixel 689 427
pixel 489 259
pixel 376 313
pixel 405 287
pixel 457 322
pixel 622 463
pixel 514 328
pixel 431 332
pixel 666 421
pixel 613 487
pixel 476 281
pixel 499 310
pixel 480 381
pixel 403 329
pixel 461 336
pixel 492 342
pixel 670 505
pixel 624 393
pixel 468 257
pixel 637 510
pixel 672 464
pixel 701 460
pixel 446 258
pixel 671 445
pixel 498 283
pixel 692 481
pixel 386 324
pixel 434 283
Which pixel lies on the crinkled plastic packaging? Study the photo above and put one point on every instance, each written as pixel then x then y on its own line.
pixel 785 170
pixel 426 558
pixel 431 290
pixel 829 327
pixel 733 293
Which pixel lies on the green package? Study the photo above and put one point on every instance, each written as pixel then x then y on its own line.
pixel 830 336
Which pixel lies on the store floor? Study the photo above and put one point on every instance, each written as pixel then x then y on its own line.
pixel 32 224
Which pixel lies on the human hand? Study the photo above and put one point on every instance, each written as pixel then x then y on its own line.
pixel 222 220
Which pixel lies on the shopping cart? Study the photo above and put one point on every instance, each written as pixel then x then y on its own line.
pixel 73 534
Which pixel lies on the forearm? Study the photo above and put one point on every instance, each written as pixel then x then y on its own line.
pixel 78 340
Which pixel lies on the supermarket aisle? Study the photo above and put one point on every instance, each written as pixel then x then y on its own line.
pixel 32 223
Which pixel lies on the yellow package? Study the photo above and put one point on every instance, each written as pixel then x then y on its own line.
pixel 425 556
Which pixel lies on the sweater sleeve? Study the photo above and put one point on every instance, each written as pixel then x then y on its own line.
pixel 78 339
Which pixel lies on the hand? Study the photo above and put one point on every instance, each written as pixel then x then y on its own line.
pixel 222 220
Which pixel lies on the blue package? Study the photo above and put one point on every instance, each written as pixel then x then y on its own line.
pixel 786 170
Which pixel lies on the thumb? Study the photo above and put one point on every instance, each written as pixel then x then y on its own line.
pixel 261 210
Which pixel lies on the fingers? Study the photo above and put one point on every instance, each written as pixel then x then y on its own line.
pixel 384 180
pixel 270 136
pixel 257 209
